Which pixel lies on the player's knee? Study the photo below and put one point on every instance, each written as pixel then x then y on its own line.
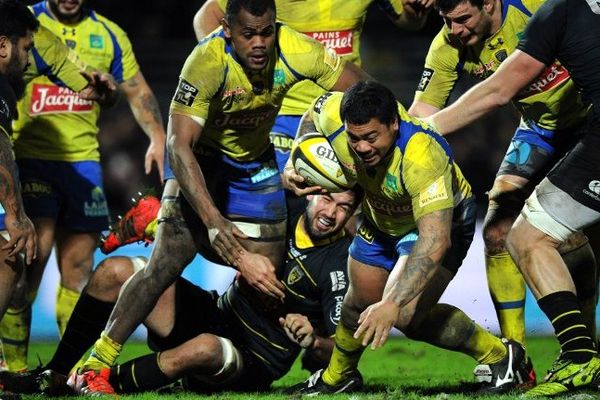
pixel 111 274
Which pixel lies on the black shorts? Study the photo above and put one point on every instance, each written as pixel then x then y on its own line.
pixel 196 312
pixel 578 173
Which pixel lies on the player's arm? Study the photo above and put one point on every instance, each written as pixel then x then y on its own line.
pixel 350 75
pixel 207 18
pixel 298 329
pixel 421 109
pixel 514 73
pixel 20 228
pixel 146 111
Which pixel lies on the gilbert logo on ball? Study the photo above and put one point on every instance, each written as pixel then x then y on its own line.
pixel 314 159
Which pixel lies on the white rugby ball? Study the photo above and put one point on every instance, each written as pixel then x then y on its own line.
pixel 314 159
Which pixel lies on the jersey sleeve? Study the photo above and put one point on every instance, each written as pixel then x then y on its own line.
pixel 199 81
pixel 440 72
pixel 333 285
pixel 309 59
pixel 325 114
pixel 124 65
pixel 51 57
pixel 427 175
pixel 544 31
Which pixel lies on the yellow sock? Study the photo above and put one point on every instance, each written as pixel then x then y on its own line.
pixel 14 330
pixel 484 347
pixel 345 356
pixel 66 299
pixel 104 354
pixel 150 230
pixel 507 288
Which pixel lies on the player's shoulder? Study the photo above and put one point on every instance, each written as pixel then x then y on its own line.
pixel 325 112
pixel 515 8
pixel 291 42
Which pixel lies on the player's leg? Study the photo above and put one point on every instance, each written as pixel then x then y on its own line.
pixel 565 202
pixel 11 269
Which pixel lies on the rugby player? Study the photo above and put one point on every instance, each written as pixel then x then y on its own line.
pixel 419 220
pixel 231 207
pixel 232 342
pixel 51 57
pixel 57 153
pixel 565 201
pixel 477 37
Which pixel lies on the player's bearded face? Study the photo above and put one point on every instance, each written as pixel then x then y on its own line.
pixel 66 9
pixel 18 62
pixel 252 37
pixel 327 214
pixel 371 141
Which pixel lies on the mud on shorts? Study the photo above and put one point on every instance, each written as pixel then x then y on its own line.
pixel 196 312
pixel 373 247
pixel 71 193
pixel 568 200
pixel 534 150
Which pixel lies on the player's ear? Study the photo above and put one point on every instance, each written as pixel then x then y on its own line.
pixel 5 47
pixel 488 6
pixel 226 28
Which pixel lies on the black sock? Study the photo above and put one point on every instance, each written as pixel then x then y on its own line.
pixel 85 326
pixel 140 374
pixel 562 308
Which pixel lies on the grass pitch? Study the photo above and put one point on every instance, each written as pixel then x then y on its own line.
pixel 403 369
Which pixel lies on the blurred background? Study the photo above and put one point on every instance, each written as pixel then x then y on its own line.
pixel 162 37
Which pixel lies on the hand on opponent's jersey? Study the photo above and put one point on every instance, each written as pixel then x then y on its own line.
pixel 298 328
pixel 259 272
pixel 102 88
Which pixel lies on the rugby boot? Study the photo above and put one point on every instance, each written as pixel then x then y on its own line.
pixel 566 375
pixel 315 386
pixel 513 372
pixel 37 381
pixel 132 227
pixel 91 383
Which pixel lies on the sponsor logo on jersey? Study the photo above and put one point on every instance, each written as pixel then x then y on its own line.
pixel 96 42
pixel 55 99
pixel 338 280
pixel 501 55
pixel 594 5
pixel 186 93
pixel 4 109
pixel 243 120
pixel 336 313
pixel 282 142
pixel 425 79
pixel 295 275
pixel 594 191
pixel 338 41
pixel 435 192
pixel 331 59
pixel 366 234
pixel 319 103
pixel 70 43
pixel 391 182
pixel 387 207
pixel 266 171
pixel 97 207
pixel 234 95
pixel 485 70
pixel 549 78
pixel 36 189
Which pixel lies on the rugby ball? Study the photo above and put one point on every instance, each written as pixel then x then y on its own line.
pixel 313 158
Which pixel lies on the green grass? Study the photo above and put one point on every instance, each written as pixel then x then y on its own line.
pixel 403 369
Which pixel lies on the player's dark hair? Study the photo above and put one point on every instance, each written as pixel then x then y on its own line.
pixel 366 100
pixel 16 19
pixel 446 6
pixel 254 7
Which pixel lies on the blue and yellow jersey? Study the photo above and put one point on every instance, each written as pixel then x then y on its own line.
pixel 418 177
pixel 337 24
pixel 54 122
pixel 236 106
pixel 551 101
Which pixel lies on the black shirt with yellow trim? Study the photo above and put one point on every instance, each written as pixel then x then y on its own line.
pixel 8 105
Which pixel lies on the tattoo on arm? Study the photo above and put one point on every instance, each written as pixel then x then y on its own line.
pixel 306 125
pixel 425 257
pixel 149 103
pixel 10 196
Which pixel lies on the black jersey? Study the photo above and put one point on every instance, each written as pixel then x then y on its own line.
pixel 315 279
pixel 569 30
pixel 8 105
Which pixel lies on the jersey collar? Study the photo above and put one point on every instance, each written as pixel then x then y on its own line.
pixel 304 241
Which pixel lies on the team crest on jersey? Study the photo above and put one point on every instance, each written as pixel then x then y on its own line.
pixel 501 55
pixel 186 93
pixel 278 77
pixel 391 182
pixel 70 43
pixel 96 42
pixel 425 79
pixel 295 275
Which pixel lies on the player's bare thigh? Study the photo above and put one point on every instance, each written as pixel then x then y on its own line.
pixel 367 284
